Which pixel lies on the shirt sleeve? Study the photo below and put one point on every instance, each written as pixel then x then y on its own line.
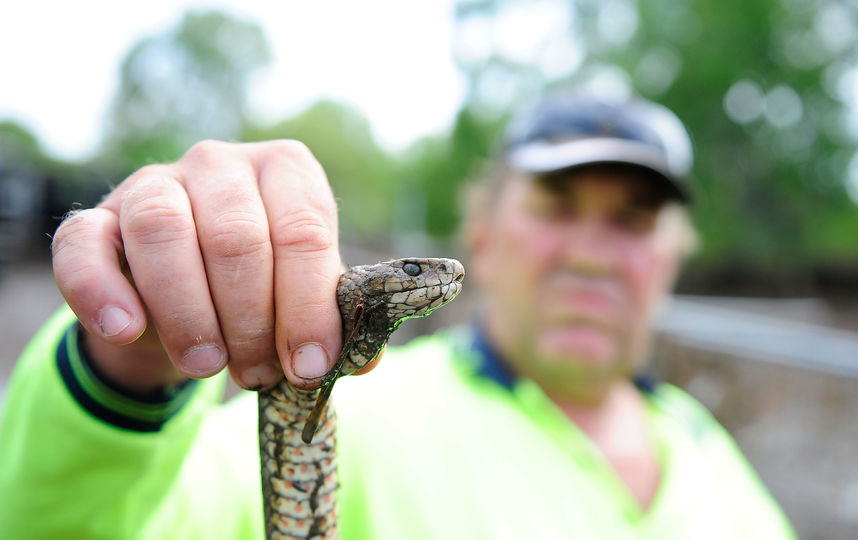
pixel 80 459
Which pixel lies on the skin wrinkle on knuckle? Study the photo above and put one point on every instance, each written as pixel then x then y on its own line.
pixel 186 326
pixel 250 335
pixel 303 232
pixel 253 336
pixel 155 220
pixel 237 238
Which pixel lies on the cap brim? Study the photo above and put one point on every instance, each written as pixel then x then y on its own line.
pixel 542 158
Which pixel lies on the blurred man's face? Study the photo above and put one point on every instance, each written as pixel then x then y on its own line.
pixel 574 266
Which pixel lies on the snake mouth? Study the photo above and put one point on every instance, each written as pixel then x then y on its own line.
pixel 439 295
pixel 420 301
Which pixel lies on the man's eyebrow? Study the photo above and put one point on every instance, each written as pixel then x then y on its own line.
pixel 644 194
pixel 647 199
pixel 554 183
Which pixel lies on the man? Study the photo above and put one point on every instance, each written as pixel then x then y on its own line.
pixel 533 424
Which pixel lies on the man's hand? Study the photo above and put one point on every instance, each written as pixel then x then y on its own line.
pixel 228 257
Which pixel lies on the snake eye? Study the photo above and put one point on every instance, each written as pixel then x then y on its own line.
pixel 412 269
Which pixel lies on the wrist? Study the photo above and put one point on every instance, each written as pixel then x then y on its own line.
pixel 140 368
pixel 143 405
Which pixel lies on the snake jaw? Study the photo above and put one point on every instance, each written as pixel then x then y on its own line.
pixel 422 301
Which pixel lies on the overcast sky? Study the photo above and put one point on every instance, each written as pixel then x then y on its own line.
pixel 389 58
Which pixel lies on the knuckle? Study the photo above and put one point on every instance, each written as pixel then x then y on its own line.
pixel 296 155
pixel 155 219
pixel 228 197
pixel 237 235
pixel 307 310
pixel 304 232
pixel 253 336
pixel 185 327
pixel 291 149
pixel 206 150
pixel 149 171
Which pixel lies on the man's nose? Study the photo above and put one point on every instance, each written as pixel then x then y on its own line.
pixel 589 247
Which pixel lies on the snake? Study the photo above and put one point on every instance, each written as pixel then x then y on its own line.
pixel 297 427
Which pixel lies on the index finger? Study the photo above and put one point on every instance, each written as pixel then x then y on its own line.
pixel 302 218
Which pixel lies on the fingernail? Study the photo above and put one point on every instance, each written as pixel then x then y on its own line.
pixel 261 376
pixel 203 359
pixel 112 320
pixel 310 361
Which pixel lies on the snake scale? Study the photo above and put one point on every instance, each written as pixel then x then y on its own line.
pixel 297 428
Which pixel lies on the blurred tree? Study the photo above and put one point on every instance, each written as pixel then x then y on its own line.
pixel 767 89
pixel 363 176
pixel 185 84
pixel 18 145
pixel 434 170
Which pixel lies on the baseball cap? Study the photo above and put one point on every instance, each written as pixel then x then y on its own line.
pixel 566 131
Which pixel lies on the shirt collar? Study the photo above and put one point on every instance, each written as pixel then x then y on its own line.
pixel 490 364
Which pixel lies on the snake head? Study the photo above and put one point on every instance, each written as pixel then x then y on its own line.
pixel 400 289
pixel 374 300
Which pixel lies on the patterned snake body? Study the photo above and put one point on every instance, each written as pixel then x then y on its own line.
pixel 297 428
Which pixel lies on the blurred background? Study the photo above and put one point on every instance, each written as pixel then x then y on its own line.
pixel 401 101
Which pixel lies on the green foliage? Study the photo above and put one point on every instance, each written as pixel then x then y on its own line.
pixel 363 177
pixel 766 188
pixel 379 195
pixel 438 168
pixel 18 145
pixel 183 85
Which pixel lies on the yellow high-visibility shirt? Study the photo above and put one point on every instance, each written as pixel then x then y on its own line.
pixel 430 448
